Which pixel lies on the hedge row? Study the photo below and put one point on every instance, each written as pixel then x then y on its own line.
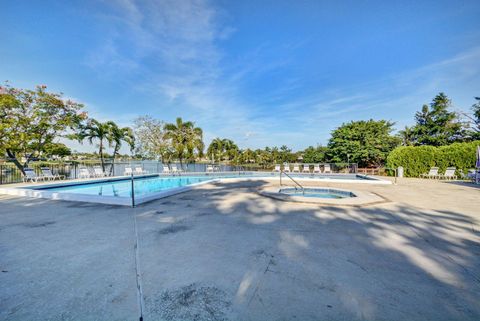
pixel 418 160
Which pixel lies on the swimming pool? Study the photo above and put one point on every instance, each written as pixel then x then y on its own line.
pixel 118 190
pixel 123 188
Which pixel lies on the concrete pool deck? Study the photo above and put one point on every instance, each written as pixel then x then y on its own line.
pixel 224 252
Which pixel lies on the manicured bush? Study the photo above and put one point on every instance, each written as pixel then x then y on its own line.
pixel 418 160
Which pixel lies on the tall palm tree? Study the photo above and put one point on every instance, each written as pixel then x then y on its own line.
pixel 96 131
pixel 117 135
pixel 215 149
pixel 185 138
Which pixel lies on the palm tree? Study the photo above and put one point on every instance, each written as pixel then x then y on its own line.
pixel 408 136
pixel 117 135
pixel 96 131
pixel 215 149
pixel 185 138
pixel 222 149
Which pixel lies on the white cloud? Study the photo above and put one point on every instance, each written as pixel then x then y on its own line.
pixel 180 42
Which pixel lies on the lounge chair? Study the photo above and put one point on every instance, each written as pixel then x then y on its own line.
pixel 296 168
pixel 327 169
pixel 84 173
pixel 139 170
pixel 210 168
pixel 31 176
pixel 316 169
pixel 98 172
pixel 286 168
pixel 277 168
pixel 473 175
pixel 128 171
pixel 47 174
pixel 175 169
pixel 449 173
pixel 306 168
pixel 166 169
pixel 432 173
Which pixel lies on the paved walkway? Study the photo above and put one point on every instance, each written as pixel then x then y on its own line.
pixel 223 252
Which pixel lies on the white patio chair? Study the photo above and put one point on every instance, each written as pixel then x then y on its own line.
pixel 316 169
pixel 140 171
pixel 277 168
pixel 47 174
pixel 166 169
pixel 286 168
pixel 296 168
pixel 128 171
pixel 306 168
pixel 327 169
pixel 98 172
pixel 84 173
pixel 210 168
pixel 432 173
pixel 31 176
pixel 449 173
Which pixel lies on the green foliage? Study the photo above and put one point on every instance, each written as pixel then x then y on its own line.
pixel 102 133
pixel 222 149
pixel 30 119
pixel 436 125
pixel 475 119
pixel 315 154
pixel 56 149
pixel 364 142
pixel 417 160
pixel 185 139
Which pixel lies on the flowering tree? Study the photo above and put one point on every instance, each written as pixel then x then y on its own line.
pixel 32 119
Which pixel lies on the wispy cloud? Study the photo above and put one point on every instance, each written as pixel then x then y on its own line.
pixel 181 43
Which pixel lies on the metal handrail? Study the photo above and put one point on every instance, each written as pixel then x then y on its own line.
pixel 291 178
pixel 395 171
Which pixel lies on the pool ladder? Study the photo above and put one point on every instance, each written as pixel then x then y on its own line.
pixel 291 178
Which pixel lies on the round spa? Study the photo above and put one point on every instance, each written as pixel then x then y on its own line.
pixel 321 195
pixel 328 193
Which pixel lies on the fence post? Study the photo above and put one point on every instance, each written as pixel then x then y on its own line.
pixel 1 174
pixel 133 191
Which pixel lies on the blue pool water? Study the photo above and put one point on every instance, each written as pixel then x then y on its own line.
pixel 317 192
pixel 123 188
pixel 155 184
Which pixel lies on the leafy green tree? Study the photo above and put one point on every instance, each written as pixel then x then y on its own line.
pixel 30 119
pixel 474 120
pixel 185 138
pixel 315 154
pixel 436 125
pixel 150 139
pixel 364 142
pixel 285 154
pixel 56 149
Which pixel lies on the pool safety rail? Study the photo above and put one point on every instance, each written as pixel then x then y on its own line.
pixel 291 178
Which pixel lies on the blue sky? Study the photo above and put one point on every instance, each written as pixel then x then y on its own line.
pixel 258 72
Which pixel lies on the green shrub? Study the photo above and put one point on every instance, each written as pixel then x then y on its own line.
pixel 418 160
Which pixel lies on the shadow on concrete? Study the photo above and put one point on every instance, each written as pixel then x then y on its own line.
pixel 223 252
pixel 463 183
pixel 392 262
